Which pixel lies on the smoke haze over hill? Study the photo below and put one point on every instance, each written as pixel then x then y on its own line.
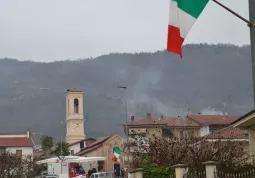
pixel 211 79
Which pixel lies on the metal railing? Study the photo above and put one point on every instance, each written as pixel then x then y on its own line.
pixel 195 174
pixel 245 174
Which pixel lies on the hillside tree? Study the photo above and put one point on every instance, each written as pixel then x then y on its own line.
pixel 62 149
pixel 47 144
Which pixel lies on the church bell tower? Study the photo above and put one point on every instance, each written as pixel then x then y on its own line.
pixel 74 115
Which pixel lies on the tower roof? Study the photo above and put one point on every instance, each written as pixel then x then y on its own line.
pixel 74 90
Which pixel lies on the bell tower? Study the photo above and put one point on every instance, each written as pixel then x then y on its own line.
pixel 74 115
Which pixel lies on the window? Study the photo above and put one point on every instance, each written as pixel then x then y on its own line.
pixel 68 107
pixel 100 165
pixel 82 144
pixel 166 133
pixel 181 134
pixel 2 149
pixel 191 133
pixel 18 153
pixel 76 105
pixel 142 143
pixel 72 152
pixel 186 133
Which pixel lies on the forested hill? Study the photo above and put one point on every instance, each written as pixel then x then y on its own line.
pixel 209 79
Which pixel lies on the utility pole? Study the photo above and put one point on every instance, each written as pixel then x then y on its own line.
pixel 127 131
pixel 61 147
pixel 61 153
pixel 252 38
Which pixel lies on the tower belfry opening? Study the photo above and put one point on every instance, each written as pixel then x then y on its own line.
pixel 76 106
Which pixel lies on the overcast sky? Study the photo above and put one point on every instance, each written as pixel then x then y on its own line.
pixel 50 30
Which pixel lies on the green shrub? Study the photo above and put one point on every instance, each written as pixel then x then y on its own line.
pixel 151 170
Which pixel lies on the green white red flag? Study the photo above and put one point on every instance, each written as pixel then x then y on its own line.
pixel 61 159
pixel 182 15
pixel 116 153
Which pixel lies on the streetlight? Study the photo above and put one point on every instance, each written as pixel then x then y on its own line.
pixel 127 131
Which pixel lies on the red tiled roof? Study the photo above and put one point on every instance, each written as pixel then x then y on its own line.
pixel 93 145
pixel 228 133
pixel 145 122
pixel 179 122
pixel 16 142
pixel 169 121
pixel 213 119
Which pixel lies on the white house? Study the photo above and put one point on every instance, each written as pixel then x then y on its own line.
pixel 79 145
pixel 19 144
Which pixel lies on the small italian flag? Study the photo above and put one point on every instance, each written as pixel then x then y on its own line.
pixel 60 159
pixel 182 15
pixel 116 153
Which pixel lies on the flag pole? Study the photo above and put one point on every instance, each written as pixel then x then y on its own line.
pixel 232 12
pixel 252 39
pixel 251 24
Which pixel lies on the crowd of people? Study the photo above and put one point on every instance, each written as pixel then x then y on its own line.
pixel 91 171
pixel 118 172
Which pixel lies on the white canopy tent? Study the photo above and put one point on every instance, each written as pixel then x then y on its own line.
pixel 69 159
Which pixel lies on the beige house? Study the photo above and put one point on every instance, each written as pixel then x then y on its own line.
pixel 103 147
pixel 191 126
pixel 247 122
pixel 141 130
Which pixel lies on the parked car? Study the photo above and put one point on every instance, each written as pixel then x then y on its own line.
pixel 102 175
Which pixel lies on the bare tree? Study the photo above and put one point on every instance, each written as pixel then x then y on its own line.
pixel 193 152
pixel 12 166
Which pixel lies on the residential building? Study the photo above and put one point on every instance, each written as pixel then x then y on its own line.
pixel 229 133
pixel 80 145
pixel 19 144
pixel 103 147
pixel 141 130
pixel 74 116
pixel 238 138
pixel 212 123
pixel 247 122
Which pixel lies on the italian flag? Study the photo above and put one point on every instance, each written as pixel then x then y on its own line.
pixel 183 14
pixel 116 153
pixel 60 159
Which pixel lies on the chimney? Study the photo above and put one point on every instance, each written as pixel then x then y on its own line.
pixel 148 116
pixel 28 134
pixel 132 118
